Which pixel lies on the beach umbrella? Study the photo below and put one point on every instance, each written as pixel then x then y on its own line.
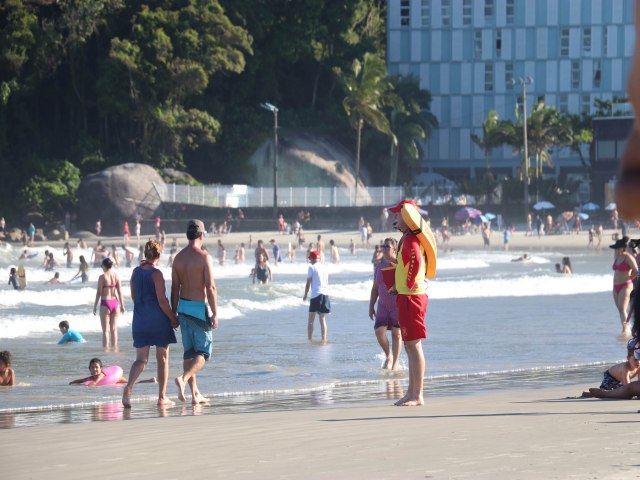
pixel 589 207
pixel 490 216
pixel 467 212
pixel 481 219
pixel 583 216
pixel 611 206
pixel 543 205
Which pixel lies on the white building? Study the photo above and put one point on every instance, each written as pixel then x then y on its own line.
pixel 466 53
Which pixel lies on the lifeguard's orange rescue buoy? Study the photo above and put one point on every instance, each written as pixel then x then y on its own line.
pixel 419 227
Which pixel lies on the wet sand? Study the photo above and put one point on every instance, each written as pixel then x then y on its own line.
pixel 527 434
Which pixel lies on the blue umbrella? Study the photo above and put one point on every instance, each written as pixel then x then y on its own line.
pixel 611 206
pixel 489 216
pixel 467 212
pixel 589 207
pixel 543 205
pixel 583 216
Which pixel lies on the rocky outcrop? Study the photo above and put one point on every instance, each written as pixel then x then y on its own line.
pixel 118 193
pixel 307 160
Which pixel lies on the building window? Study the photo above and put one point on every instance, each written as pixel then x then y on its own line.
pixel 586 41
pixel 426 13
pixel 540 99
pixel 488 9
pixel 467 12
pixel 606 150
pixel 586 104
pixel 446 13
pixel 605 40
pixel 477 44
pixel 564 42
pixel 596 74
pixel 488 77
pixel 508 75
pixel 499 43
pixel 405 13
pixel 510 11
pixel 575 74
pixel 563 103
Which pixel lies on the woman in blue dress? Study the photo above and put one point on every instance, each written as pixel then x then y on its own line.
pixel 153 322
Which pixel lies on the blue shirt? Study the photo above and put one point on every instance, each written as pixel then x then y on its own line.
pixel 71 336
pixel 277 255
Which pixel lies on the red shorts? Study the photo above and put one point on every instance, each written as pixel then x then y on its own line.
pixel 411 316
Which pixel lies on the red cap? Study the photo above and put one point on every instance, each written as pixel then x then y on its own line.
pixel 398 207
pixel 314 254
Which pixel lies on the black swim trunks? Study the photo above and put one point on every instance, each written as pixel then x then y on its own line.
pixel 609 383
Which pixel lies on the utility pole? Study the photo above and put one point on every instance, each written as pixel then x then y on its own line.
pixel 274 110
pixel 524 82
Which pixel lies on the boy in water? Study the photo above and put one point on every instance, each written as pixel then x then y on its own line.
pixel 7 375
pixel 13 279
pixel 617 380
pixel 68 335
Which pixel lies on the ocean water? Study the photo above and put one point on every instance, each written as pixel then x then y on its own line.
pixel 492 324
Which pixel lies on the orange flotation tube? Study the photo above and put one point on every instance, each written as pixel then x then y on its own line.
pixel 419 227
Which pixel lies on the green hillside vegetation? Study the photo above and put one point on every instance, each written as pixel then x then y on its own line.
pixel 86 84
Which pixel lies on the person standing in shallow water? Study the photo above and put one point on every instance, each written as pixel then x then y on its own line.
pixel 318 283
pixel 412 304
pixel 109 293
pixel 386 315
pixel 153 322
pixel 194 299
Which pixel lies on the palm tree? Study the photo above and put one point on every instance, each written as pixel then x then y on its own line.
pixel 410 121
pixel 547 128
pixel 582 135
pixel 495 133
pixel 365 86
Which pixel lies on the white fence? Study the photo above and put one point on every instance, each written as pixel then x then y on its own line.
pixel 234 196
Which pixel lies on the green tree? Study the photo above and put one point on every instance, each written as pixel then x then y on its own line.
pixel 546 128
pixel 582 135
pixel 53 191
pixel 494 134
pixel 365 87
pixel 410 121
pixel 166 59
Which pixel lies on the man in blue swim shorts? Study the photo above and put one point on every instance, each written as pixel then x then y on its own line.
pixel 194 299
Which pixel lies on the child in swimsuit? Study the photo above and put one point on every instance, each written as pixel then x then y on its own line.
pixel 7 375
pixel 95 367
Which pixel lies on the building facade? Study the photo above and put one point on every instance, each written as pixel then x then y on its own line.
pixel 468 52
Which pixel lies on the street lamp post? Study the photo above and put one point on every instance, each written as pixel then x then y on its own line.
pixel 524 82
pixel 273 109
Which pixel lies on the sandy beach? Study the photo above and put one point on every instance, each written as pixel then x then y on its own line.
pixel 519 241
pixel 529 434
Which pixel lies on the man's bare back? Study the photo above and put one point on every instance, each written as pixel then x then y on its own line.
pixel 192 278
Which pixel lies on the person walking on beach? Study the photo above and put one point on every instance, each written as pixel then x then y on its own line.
pixel 412 303
pixel 386 315
pixel 109 293
pixel 153 322
pixel 318 283
pixel 194 299
pixel 625 271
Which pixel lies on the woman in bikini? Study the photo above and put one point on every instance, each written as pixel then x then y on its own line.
pixel 109 293
pixel 625 270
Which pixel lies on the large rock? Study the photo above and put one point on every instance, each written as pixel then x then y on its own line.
pixel 306 160
pixel 117 194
